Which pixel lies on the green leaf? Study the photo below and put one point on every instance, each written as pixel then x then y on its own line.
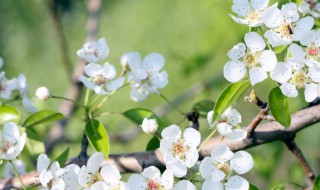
pixel 98 137
pixel 153 144
pixel 63 157
pixel 41 117
pixel 253 187
pixel 8 113
pixel 138 114
pixel 228 96
pixel 279 187
pixel 203 107
pixel 316 185
pixel 279 49
pixel 279 107
pixel 33 134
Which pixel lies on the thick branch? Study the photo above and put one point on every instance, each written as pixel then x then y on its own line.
pixel 265 133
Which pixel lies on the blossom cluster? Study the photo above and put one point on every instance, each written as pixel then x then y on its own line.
pixel 274 28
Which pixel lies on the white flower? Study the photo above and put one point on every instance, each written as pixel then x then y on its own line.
pixel 145 76
pixel 218 170
pixel 285 25
pixel 22 87
pixel 250 56
pixel 184 185
pixel 42 93
pixel 229 119
pixel 250 13
pixel 6 86
pixel 93 177
pixel 92 52
pixel 312 51
pixel 179 153
pixel 9 172
pixel 11 143
pixel 151 179
pixel 295 75
pixel 310 7
pixel 50 177
pixel 70 177
pixel 149 126
pixel 101 78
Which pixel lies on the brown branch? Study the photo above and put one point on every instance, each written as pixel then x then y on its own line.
pixel 256 121
pixel 67 108
pixel 264 133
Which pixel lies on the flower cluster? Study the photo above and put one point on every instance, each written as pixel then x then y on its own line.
pixel 300 67
pixel 15 89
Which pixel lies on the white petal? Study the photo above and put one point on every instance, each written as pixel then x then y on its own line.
pixel 314 74
pixel 281 73
pixel 206 167
pixel 234 117
pixel 43 162
pixel 237 135
pixel 234 71
pixel 109 71
pixel 11 132
pixel 276 39
pixel 308 37
pixel 28 105
pixel 211 185
pixel 242 8
pixel 54 167
pixel 259 4
pixel 192 137
pixel 311 92
pixel 302 26
pixel 257 74
pixel 110 174
pixel 272 16
pixel 236 183
pixel 153 61
pixel 241 162
pixel 94 162
pixel 210 117
pixel 172 132
pixel 99 185
pixel 297 52
pixel 192 157
pixel 92 69
pixel 151 172
pixel 178 169
pixel 1 62
pixel 115 84
pixel 133 59
pixel 184 185
pixel 137 182
pixel 289 90
pixel 45 177
pixel 138 94
pixel 166 146
pixel 254 42
pixel 221 153
pixel 167 179
pixel 237 51
pixel 57 184
pixel 224 128
pixel 239 20
pixel 84 176
pixel 268 60
pixel 290 12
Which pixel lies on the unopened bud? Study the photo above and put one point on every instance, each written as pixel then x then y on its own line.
pixel 149 126
pixel 42 93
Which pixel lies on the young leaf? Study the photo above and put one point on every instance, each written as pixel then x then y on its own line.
pixel 279 107
pixel 203 107
pixel 41 117
pixel 8 113
pixel 32 134
pixel 62 158
pixel 253 187
pixel 138 114
pixel 279 187
pixel 153 144
pixel 98 137
pixel 316 185
pixel 228 96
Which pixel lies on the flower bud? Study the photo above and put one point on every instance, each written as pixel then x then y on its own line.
pixel 42 93
pixel 149 126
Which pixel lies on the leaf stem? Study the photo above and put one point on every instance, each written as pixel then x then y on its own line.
pixel 67 99
pixel 206 140
pixel 17 174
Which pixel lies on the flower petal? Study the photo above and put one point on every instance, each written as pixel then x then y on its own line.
pixel 257 74
pixel 210 117
pixel 172 132
pixel 167 179
pixel 11 132
pixel 314 74
pixel 192 137
pixel 151 173
pixel 184 185
pixel 290 12
pixel 289 90
pixel 94 162
pixel 241 162
pixel 192 157
pixel 109 71
pixel 236 183
pixel 137 182
pixel 259 4
pixel 268 60
pixel 221 153
pixel 115 84
pixel 254 42
pixel 153 61
pixel 239 20
pixel 272 16
pixel 110 174
pixel 178 169
pixel 211 185
pixel 302 26
pixel 237 135
pixel 237 51
pixel 234 71
pixel 43 162
pixel 308 37
pixel 297 52
pixel 311 92
pixel 207 167
pixel 224 128
pixel 281 73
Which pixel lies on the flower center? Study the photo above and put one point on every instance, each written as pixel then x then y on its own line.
pixel 312 5
pixel 99 80
pixel 94 177
pixel 116 187
pixel 152 185
pixel 6 145
pixel 300 78
pixel 251 59
pixel 225 168
pixel 313 52
pixel 254 16
pixel 285 30
pixel 180 149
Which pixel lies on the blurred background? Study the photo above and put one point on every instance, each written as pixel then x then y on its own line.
pixel 193 36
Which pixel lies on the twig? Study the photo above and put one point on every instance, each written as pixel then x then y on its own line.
pixel 256 121
pixel 292 146
pixel 193 117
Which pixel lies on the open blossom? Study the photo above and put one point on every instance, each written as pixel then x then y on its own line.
pixel 70 177
pixel 229 119
pixel 9 172
pixel 184 185
pixel 42 93
pixel 250 12
pixel 50 177
pixel 145 76
pixel 151 179
pixel 250 56
pixel 94 177
pixel 220 169
pixel 22 87
pixel 294 75
pixel 312 51
pixel 11 143
pixel 285 25
pixel 179 152
pixel 6 86
pixel 101 78
pixel 149 126
pixel 93 52
pixel 311 7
